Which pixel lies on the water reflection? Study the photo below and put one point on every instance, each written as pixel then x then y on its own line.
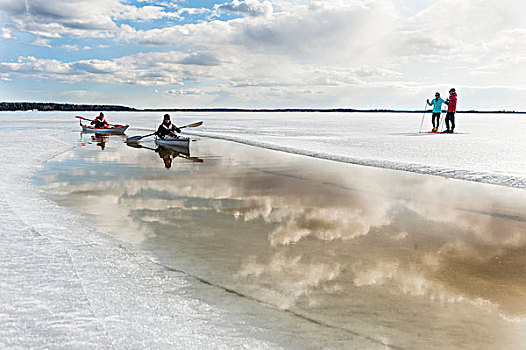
pixel 98 139
pixel 382 253
pixel 168 153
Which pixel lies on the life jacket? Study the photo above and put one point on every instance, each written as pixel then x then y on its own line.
pixel 100 123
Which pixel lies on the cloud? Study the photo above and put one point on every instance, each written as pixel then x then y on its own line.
pixel 354 32
pixel 95 18
pixel 252 8
pixel 201 59
pixel 44 42
pixel 6 34
pixel 71 47
pixel 144 13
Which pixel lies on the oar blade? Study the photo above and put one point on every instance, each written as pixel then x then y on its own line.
pixel 134 139
pixel 193 125
pixel 133 144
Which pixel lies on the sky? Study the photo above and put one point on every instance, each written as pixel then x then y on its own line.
pixel 264 53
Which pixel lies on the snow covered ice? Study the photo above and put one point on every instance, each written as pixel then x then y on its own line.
pixel 489 149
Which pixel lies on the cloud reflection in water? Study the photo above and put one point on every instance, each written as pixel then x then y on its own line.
pixel 340 242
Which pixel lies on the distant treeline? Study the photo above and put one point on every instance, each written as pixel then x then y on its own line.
pixel 42 106
pixel 328 110
pixel 45 106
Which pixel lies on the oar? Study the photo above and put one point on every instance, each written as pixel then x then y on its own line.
pixel 193 125
pixel 138 138
pixel 79 117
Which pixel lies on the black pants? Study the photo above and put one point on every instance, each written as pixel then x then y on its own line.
pixel 437 117
pixel 450 117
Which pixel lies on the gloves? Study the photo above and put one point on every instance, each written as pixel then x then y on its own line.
pixel 177 129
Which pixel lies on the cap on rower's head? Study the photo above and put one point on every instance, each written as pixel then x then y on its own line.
pixel 452 90
pixel 166 117
pixel 101 114
pixel 437 93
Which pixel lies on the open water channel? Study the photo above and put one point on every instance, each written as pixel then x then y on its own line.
pixel 319 253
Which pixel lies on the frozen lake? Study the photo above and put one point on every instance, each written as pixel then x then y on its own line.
pixel 277 250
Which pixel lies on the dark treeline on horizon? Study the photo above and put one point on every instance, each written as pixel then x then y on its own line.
pixel 51 106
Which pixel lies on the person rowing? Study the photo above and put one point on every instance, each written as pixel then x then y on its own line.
pixel 167 130
pixel 100 122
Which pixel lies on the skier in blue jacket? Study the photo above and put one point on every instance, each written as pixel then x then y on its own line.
pixel 437 109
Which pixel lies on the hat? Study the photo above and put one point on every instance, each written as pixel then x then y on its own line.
pixel 452 90
pixel 101 114
pixel 166 116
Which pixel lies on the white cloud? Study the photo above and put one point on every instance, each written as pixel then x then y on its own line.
pixel 247 7
pixel 71 47
pixel 184 92
pixel 44 42
pixel 143 13
pixel 54 19
pixel 6 34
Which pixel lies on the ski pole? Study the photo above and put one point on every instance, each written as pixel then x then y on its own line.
pixel 442 127
pixel 423 115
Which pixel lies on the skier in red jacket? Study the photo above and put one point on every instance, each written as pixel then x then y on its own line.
pixel 451 109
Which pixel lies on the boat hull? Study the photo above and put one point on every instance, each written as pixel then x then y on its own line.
pixel 179 142
pixel 117 129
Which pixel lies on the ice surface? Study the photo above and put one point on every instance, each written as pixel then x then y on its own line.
pixel 488 147
pixel 65 286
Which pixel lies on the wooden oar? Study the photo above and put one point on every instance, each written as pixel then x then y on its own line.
pixel 134 139
pixel 138 138
pixel 193 125
pixel 79 117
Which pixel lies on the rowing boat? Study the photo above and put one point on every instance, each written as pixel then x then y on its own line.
pixel 178 141
pixel 113 129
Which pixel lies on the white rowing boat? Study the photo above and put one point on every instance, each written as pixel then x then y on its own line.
pixel 113 129
pixel 178 141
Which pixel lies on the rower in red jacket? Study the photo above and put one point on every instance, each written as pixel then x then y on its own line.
pixel 100 122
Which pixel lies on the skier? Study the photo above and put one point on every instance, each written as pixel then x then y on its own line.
pixel 437 109
pixel 451 109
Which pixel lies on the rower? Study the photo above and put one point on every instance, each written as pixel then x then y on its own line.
pixel 100 122
pixel 167 129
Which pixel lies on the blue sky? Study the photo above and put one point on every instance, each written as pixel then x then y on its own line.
pixel 264 53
